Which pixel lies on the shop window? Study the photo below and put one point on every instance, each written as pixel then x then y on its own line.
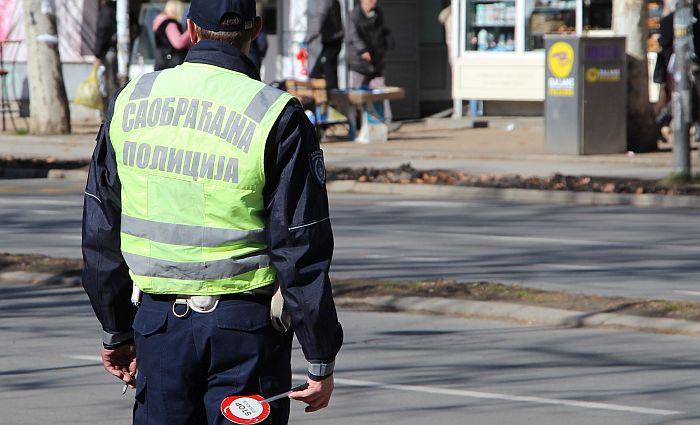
pixel 490 25
pixel 548 17
pixel 597 15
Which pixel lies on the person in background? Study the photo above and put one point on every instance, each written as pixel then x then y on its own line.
pixel 663 71
pixel 105 49
pixel 258 49
pixel 324 40
pixel 367 44
pixel 172 43
pixel 445 18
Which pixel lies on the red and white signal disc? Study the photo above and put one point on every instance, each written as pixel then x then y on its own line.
pixel 245 410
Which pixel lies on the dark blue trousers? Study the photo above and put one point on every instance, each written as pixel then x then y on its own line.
pixel 188 366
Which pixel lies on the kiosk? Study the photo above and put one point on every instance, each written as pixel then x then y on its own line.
pixel 499 44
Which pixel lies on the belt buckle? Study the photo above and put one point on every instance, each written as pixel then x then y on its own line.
pixel 203 303
pixel 198 303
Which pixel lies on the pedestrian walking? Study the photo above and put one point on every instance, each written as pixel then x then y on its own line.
pixel 367 45
pixel 105 47
pixel 172 42
pixel 324 40
pixel 206 206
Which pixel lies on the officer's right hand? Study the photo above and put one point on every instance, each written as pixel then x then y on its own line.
pixel 317 395
pixel 121 362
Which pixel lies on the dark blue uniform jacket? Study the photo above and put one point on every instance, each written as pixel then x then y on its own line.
pixel 300 237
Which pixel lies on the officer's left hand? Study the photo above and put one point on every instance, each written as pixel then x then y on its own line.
pixel 121 362
pixel 317 395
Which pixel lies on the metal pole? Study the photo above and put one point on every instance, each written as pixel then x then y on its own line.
pixel 123 41
pixel 457 48
pixel 682 119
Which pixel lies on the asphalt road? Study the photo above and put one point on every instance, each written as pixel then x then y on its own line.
pixel 394 368
pixel 619 251
pixel 626 251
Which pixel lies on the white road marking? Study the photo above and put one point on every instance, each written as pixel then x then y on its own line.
pixel 420 204
pixel 376 256
pixel 693 293
pixel 469 394
pixel 38 201
pixel 427 259
pixel 47 212
pixel 572 267
pixel 94 359
pixel 504 397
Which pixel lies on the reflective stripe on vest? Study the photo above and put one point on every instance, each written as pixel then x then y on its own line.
pixel 190 145
pixel 183 234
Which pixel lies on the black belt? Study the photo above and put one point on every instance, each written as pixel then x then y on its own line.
pixel 260 293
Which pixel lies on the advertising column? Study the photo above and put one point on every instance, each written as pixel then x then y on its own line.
pixel 586 95
pixel 561 107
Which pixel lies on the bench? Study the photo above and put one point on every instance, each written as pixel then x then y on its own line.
pixel 370 103
pixel 314 97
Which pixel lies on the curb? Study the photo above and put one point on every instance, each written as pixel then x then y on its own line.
pixel 34 278
pixel 59 174
pixel 526 313
pixel 645 200
pixel 461 308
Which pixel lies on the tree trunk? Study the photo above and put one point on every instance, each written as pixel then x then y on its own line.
pixel 49 113
pixel 629 20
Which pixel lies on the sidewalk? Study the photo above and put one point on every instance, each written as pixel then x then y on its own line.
pixel 76 146
pixel 511 145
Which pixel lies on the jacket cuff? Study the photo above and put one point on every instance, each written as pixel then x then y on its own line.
pixel 319 371
pixel 110 340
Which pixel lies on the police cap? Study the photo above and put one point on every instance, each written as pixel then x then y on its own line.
pixel 223 15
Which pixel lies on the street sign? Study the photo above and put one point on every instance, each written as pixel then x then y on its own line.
pixel 245 410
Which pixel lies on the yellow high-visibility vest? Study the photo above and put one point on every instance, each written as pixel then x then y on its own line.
pixel 190 146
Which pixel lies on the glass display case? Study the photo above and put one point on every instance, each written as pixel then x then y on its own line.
pixel 490 25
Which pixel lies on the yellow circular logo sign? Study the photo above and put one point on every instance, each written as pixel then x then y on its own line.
pixel 560 59
pixel 593 75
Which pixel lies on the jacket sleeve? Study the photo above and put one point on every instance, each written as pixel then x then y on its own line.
pixel 301 238
pixel 105 274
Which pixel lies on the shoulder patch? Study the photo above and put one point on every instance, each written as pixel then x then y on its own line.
pixel 318 167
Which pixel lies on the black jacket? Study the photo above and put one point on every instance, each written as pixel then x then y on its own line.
pixel 300 238
pixel 167 56
pixel 367 34
pixel 106 33
pixel 325 20
pixel 666 44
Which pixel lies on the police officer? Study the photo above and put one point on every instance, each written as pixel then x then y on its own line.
pixel 206 192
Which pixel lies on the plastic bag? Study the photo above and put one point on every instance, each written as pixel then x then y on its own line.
pixel 88 92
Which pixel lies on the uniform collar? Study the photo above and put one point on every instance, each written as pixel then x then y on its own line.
pixel 223 55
